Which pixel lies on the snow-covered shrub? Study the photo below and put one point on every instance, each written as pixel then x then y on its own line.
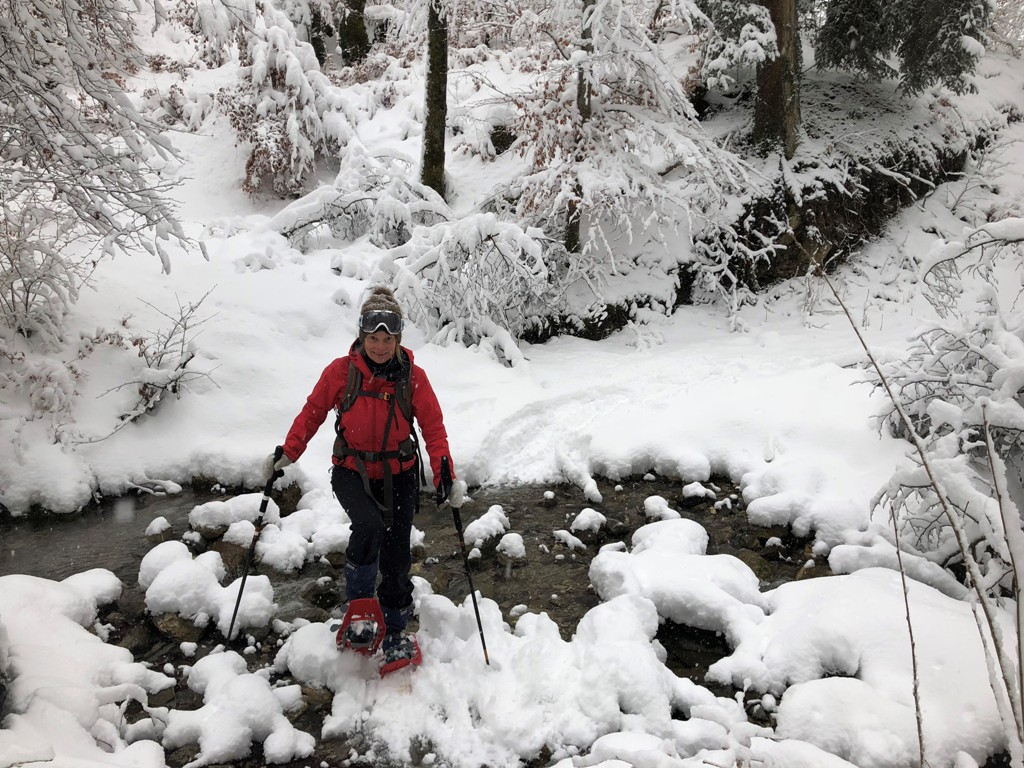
pixel 962 387
pixel 274 106
pixel 375 196
pixel 176 107
pixel 479 277
pixel 50 385
pixel 40 270
pixel 485 135
pixel 218 27
pixel 727 253
pixel 166 354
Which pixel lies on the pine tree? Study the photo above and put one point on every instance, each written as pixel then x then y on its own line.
pixel 933 41
pixel 736 35
pixel 352 37
pixel 277 105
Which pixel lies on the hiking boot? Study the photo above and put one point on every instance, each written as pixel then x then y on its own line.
pixel 399 651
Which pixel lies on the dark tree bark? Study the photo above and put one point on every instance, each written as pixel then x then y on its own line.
pixel 777 106
pixel 318 32
pixel 352 37
pixel 573 235
pixel 435 121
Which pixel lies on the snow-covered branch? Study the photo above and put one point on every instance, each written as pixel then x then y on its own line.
pixel 69 129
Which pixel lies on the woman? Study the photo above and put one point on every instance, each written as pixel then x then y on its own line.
pixel 377 391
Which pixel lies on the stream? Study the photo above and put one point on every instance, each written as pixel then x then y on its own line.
pixel 550 578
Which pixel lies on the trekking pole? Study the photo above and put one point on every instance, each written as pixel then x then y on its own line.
pixel 446 479
pixel 274 474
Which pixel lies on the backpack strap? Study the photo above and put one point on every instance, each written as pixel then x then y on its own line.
pixel 403 394
pixel 353 384
pixel 407 449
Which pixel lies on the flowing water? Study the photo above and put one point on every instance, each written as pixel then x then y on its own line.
pixel 109 535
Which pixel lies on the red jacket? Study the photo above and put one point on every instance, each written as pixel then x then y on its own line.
pixel 364 421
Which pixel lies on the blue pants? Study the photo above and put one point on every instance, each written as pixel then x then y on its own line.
pixel 372 547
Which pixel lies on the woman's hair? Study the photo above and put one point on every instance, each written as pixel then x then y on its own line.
pixel 382 299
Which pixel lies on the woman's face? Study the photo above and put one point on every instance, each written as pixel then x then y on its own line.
pixel 380 346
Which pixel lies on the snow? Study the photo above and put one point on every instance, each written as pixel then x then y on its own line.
pixel 780 409
pixel 588 520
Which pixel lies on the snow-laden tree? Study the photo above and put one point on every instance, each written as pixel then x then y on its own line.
pixel 353 38
pixel 283 106
pixel 602 127
pixel 481 281
pixel 962 386
pixel 933 41
pixel 958 397
pixel 374 196
pixel 1008 22
pixel 77 158
pixel 41 267
pixel 599 130
pixel 736 36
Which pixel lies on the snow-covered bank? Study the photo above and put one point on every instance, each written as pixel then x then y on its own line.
pixel 773 408
pixel 826 658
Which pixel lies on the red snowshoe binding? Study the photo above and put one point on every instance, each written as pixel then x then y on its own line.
pixel 362 629
pixel 401 653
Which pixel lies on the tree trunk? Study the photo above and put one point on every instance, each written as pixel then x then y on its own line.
pixel 573 234
pixel 777 106
pixel 436 118
pixel 317 35
pixel 352 37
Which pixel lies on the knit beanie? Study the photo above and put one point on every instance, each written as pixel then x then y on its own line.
pixel 381 299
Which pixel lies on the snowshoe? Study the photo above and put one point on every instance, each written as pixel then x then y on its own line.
pixel 399 653
pixel 362 629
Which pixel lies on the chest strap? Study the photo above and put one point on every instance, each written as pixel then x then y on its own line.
pixel 406 450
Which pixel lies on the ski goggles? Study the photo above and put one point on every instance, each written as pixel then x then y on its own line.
pixel 370 322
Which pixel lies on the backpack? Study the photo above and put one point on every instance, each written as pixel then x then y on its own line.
pixel 407 449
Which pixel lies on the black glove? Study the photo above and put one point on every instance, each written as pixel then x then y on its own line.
pixel 444 482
